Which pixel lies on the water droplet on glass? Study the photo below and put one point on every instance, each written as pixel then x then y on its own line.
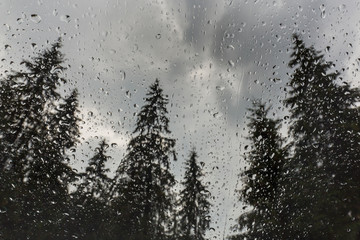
pixel 231 63
pixel 19 20
pixel 230 47
pixel 158 36
pixel 341 7
pixel 220 88
pixel 122 75
pixel 323 14
pixel 33 46
pixel 55 12
pixel 7 26
pixel 65 18
pixel 35 18
pixel 56 69
pixel 7 46
pixel 217 115
pixel 322 9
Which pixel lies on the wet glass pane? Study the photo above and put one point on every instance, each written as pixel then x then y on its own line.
pixel 195 119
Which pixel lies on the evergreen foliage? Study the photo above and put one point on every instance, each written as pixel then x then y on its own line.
pixel 263 178
pixel 92 197
pixel 194 202
pixel 38 126
pixel 145 171
pixel 322 190
pixel 309 189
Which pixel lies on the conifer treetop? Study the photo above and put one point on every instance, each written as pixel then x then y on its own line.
pixel 152 117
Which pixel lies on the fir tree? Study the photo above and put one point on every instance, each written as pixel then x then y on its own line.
pixel 322 192
pixel 39 125
pixel 194 202
pixel 92 197
pixel 96 182
pixel 145 192
pixel 263 178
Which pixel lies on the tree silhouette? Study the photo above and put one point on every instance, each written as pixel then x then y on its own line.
pixel 145 195
pixel 322 188
pixel 38 126
pixel 263 178
pixel 92 197
pixel 96 182
pixel 194 202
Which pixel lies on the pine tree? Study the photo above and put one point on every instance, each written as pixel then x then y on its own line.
pixel 194 202
pixel 145 194
pixel 263 178
pixel 39 125
pixel 323 173
pixel 92 197
pixel 96 182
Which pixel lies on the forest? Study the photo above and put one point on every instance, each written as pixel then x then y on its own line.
pixel 305 185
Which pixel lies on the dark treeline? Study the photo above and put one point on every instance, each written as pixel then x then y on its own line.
pixel 38 128
pixel 308 185
pixel 302 186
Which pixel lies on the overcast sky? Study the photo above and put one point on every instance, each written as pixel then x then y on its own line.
pixel 211 57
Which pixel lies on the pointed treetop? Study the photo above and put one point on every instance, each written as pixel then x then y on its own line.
pixel 97 162
pixel 306 57
pixel 48 60
pixel 153 115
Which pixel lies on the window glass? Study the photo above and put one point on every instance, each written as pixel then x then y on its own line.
pixel 195 119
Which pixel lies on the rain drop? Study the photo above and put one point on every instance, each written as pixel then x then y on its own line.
pixel 122 75
pixel 230 47
pixel 33 46
pixel 322 9
pixel 35 18
pixel 217 115
pixel 65 18
pixel 341 7
pixel 220 88
pixel 323 14
pixel 7 26
pixel 19 20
